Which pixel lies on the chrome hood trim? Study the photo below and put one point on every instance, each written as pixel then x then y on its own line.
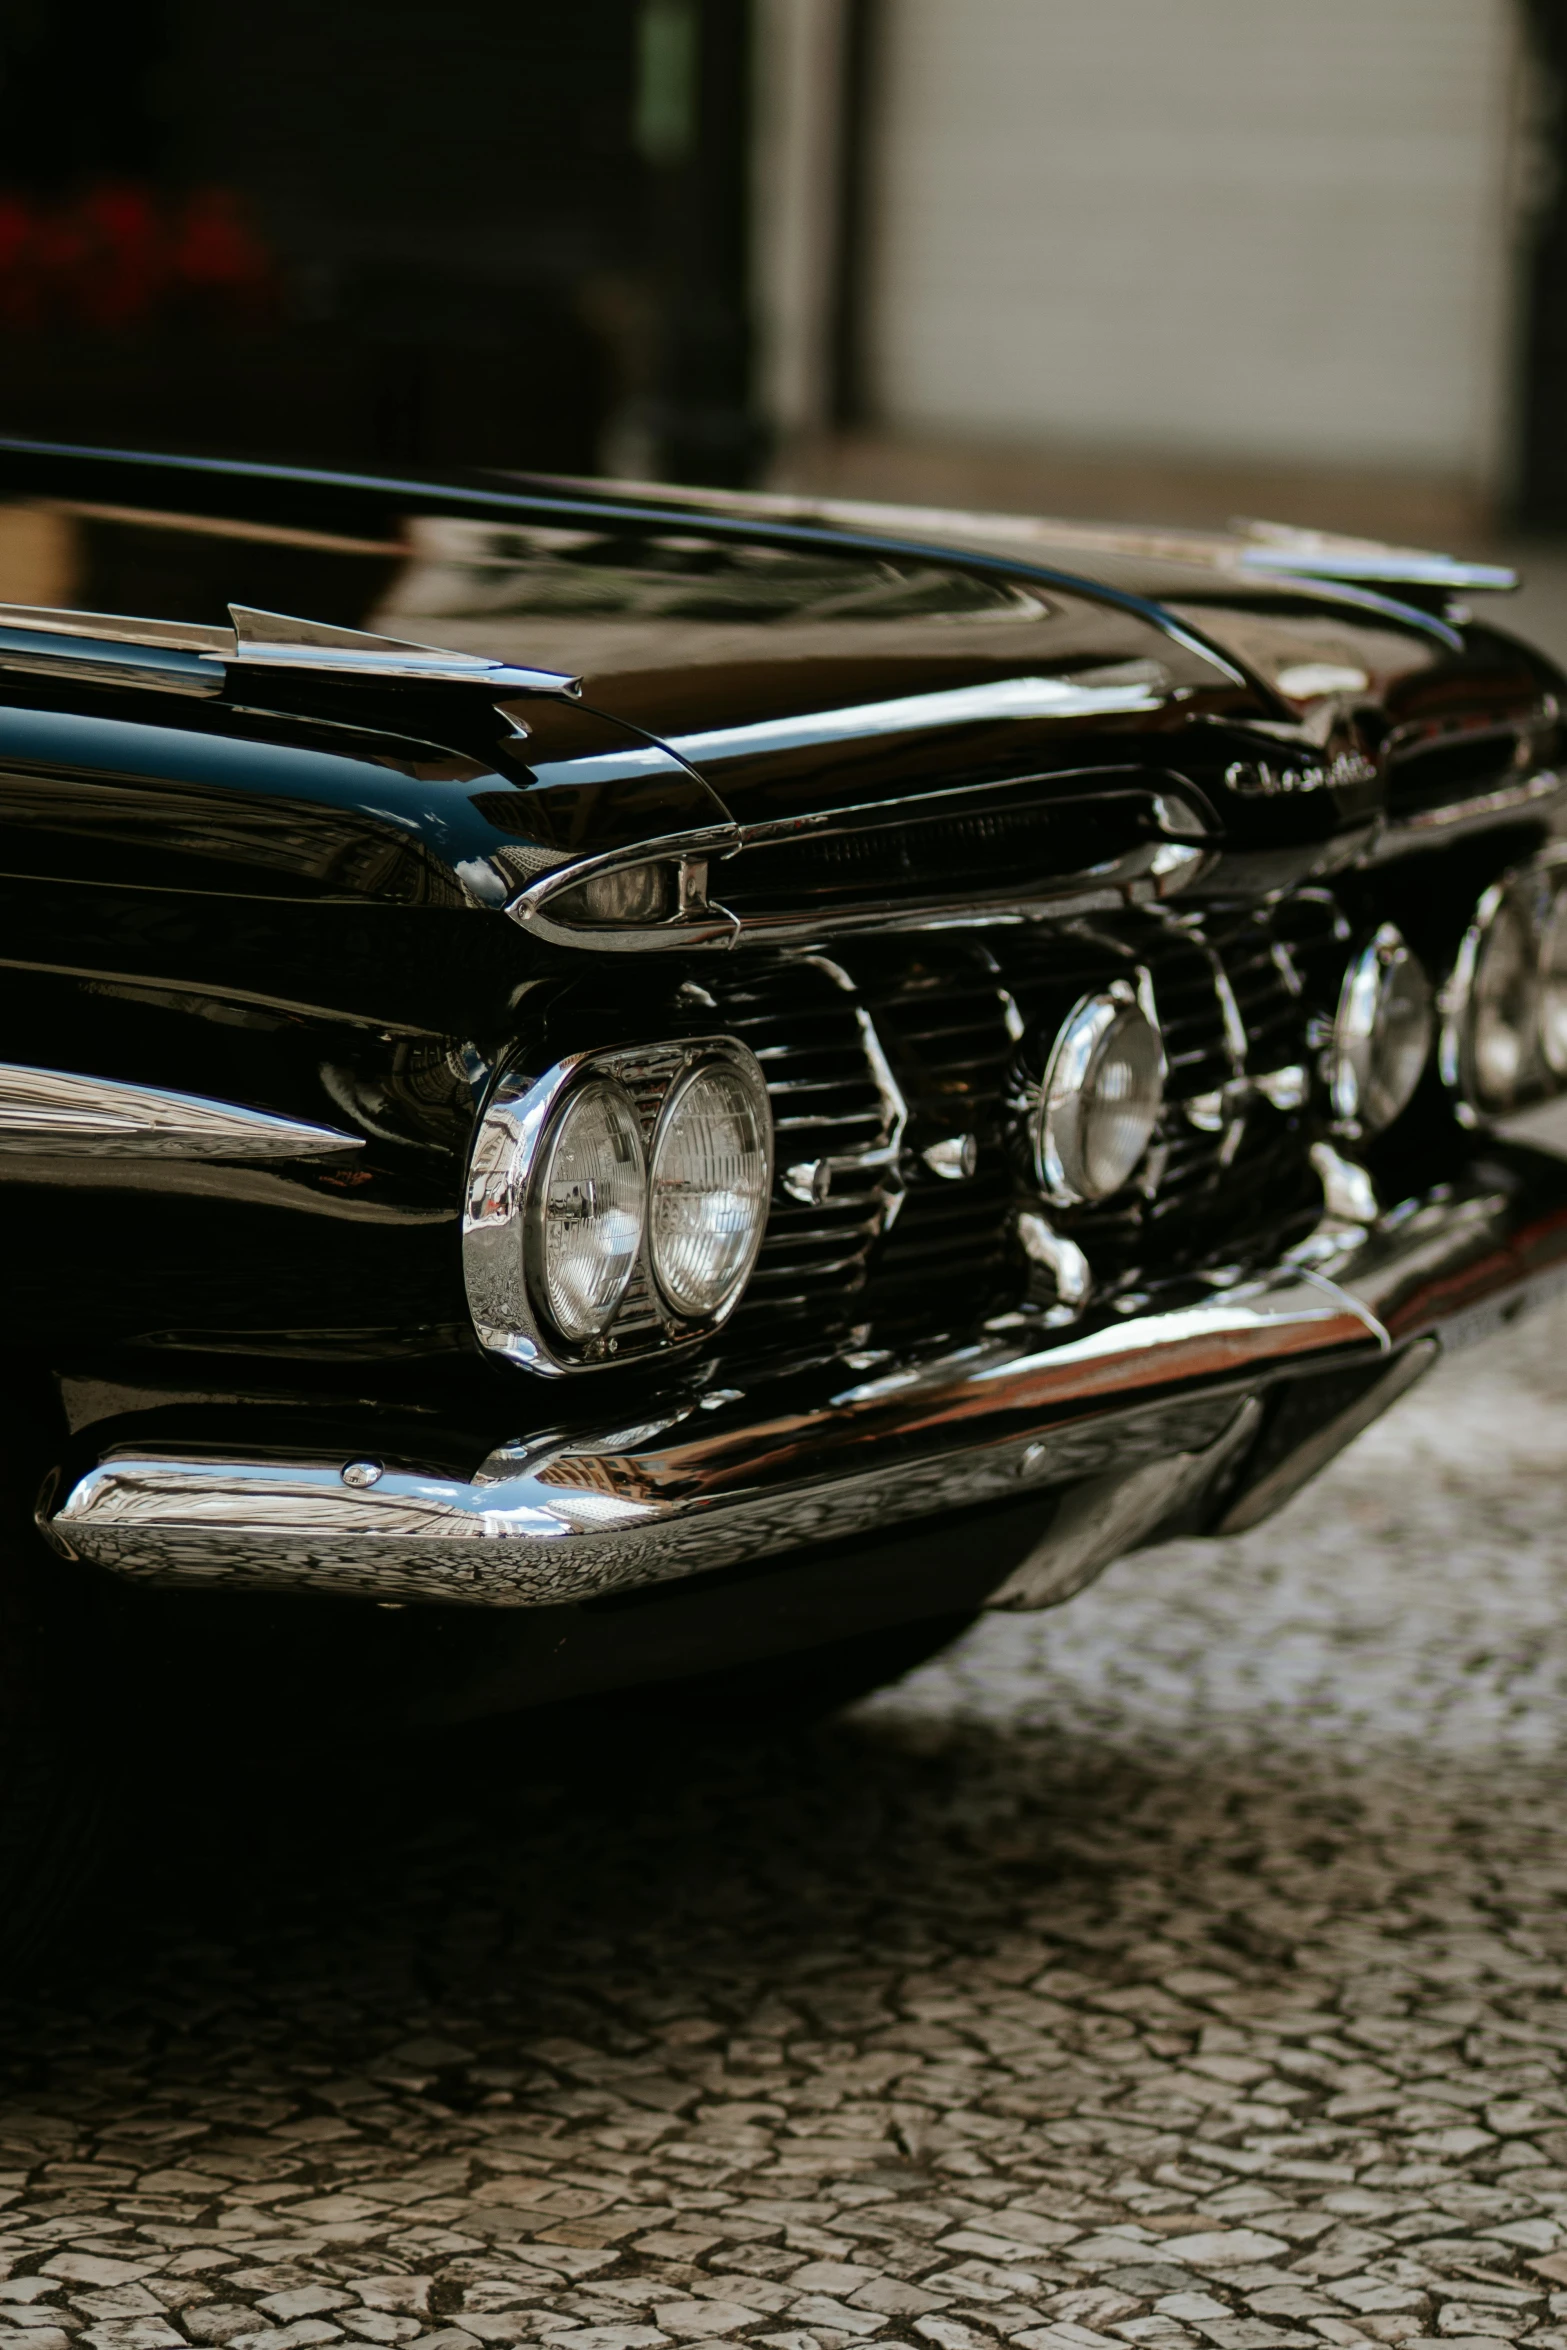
pixel 1267 550
pixel 257 640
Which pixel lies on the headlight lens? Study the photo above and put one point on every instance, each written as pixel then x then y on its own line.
pixel 587 1209
pixel 1504 1039
pixel 1102 1094
pixel 711 1174
pixel 1504 1007
pixel 1553 985
pixel 1381 1033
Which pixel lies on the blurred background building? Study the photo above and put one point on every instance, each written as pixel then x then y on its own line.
pixel 1174 259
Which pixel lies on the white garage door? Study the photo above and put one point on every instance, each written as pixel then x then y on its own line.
pixel 1275 228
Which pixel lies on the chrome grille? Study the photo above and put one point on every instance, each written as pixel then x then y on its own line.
pixel 804 1028
pixel 941 1014
pixel 1198 1055
pixel 964 1020
pixel 1205 1181
pixel 1262 983
pixel 949 849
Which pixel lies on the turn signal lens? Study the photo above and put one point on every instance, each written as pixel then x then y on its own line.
pixel 628 896
pixel 1381 1034
pixel 711 1175
pixel 1102 1094
pixel 588 1208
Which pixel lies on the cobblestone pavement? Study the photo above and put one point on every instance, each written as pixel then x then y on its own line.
pixel 1186 1968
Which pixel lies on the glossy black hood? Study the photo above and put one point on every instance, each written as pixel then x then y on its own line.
pixel 796 666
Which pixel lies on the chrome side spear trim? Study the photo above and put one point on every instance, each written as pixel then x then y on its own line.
pixel 50 1113
pixel 276 640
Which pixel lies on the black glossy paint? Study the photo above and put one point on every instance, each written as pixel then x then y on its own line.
pixel 300 906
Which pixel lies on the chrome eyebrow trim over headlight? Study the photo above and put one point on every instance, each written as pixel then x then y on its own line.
pixel 54 1113
pixel 688 874
pixel 677 872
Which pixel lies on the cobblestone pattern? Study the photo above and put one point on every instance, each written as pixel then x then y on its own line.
pixel 1184 1969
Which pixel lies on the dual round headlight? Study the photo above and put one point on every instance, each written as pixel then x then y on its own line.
pixel 1381 1037
pixel 694 1200
pixel 1100 1101
pixel 588 1209
pixel 1504 1030
pixel 707 1186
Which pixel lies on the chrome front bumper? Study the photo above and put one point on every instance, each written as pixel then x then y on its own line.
pixel 1130 1414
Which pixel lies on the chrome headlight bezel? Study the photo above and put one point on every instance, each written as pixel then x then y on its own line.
pixel 1364 1099
pixel 500 1230
pixel 1083 1045
pixel 1527 899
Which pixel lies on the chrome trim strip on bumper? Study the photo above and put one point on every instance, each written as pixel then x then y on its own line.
pixel 838 1455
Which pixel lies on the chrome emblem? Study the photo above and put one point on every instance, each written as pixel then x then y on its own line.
pixel 1261 779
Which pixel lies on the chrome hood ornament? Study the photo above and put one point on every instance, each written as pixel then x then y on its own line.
pixel 278 641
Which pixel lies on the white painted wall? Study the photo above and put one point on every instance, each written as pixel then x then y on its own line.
pixel 795 199
pixel 1244 228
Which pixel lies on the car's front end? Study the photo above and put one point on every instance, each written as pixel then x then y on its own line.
pixel 775 1080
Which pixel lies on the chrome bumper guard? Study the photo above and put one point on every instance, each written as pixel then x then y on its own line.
pixel 1131 1414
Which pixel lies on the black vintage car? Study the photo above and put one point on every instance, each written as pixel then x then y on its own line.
pixel 608 1087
